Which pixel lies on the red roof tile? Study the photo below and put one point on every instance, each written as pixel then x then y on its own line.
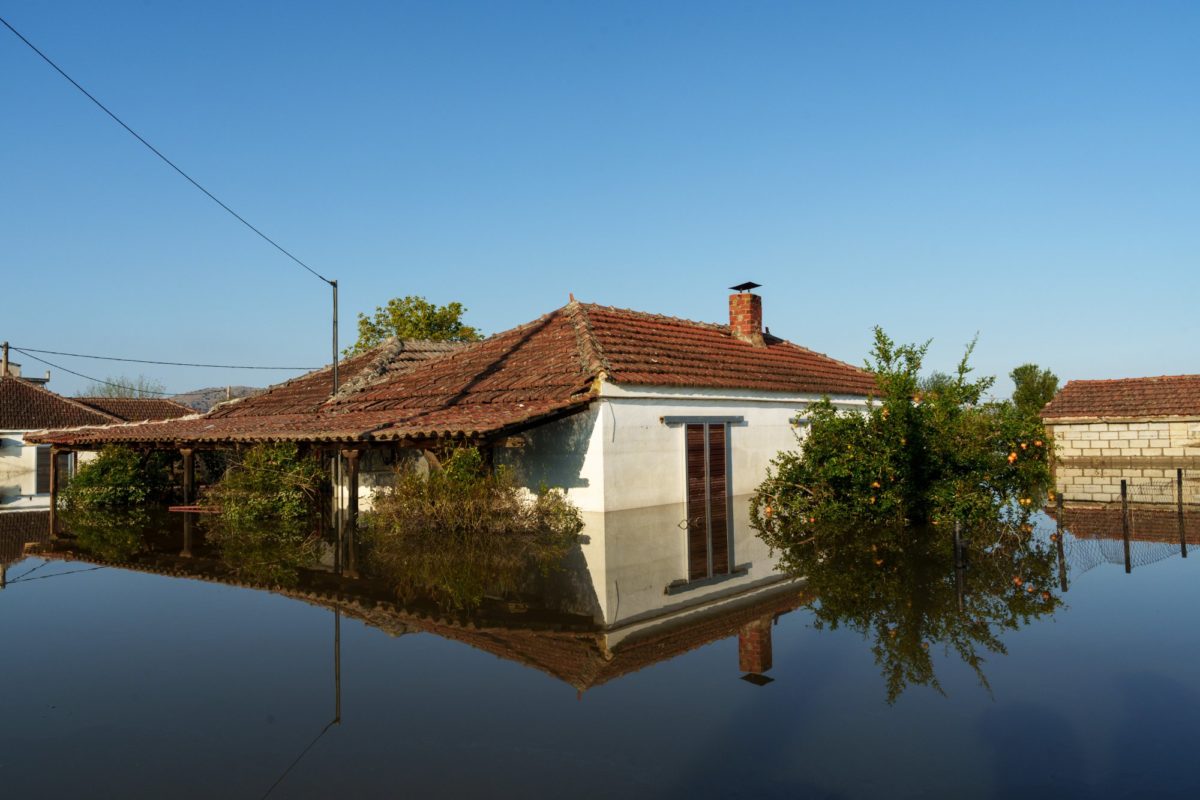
pixel 1165 396
pixel 25 406
pixel 138 409
pixel 550 366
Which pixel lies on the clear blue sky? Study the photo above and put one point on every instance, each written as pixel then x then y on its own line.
pixel 1030 171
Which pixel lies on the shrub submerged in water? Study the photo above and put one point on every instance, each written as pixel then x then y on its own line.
pixel 268 482
pixel 119 477
pixel 464 532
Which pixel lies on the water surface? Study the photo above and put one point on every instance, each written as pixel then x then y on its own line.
pixel 164 677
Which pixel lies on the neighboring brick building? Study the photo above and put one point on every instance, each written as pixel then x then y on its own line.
pixel 1138 429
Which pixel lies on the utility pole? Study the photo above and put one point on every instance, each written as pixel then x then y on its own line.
pixel 4 367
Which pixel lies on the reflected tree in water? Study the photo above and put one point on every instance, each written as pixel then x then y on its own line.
pixel 900 588
pixel 116 535
pixel 267 553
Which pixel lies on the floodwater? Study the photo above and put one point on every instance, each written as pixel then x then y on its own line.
pixel 154 663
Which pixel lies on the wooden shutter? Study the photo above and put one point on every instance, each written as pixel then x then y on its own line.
pixel 718 500
pixel 697 503
pixel 43 471
pixel 707 500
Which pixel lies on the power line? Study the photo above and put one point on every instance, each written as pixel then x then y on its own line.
pixel 88 377
pixel 156 152
pixel 145 361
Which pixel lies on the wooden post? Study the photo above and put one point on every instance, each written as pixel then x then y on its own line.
pixel 1179 512
pixel 189 474
pixel 1125 523
pixel 1062 553
pixel 351 507
pixel 188 522
pixel 53 492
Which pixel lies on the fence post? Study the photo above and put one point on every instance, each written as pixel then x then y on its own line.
pixel 1062 554
pixel 1125 523
pixel 1179 512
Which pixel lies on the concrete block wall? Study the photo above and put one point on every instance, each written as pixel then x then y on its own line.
pixel 1144 485
pixel 1149 439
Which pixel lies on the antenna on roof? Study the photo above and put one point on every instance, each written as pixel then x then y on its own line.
pixel 745 287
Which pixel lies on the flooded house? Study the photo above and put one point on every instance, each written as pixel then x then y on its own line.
pixel 657 428
pixel 26 405
pixel 1143 431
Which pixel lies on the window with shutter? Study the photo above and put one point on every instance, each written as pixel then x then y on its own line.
pixel 43 471
pixel 707 499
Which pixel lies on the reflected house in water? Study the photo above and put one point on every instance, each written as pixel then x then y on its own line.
pixel 552 624
pixel 657 428
pixel 1140 430
pixel 21 533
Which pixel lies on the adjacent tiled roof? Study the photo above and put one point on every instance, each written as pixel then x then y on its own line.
pixel 25 406
pixel 551 366
pixel 138 409
pixel 1165 396
pixel 21 528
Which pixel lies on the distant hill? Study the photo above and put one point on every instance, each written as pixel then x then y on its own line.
pixel 204 399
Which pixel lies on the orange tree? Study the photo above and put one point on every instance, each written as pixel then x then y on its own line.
pixel 912 456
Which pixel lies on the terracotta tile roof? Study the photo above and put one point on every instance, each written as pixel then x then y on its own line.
pixel 1165 396
pixel 553 365
pixel 138 409
pixel 25 406
pixel 647 349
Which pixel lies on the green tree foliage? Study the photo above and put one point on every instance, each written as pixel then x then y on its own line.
pixel 1034 387
pixel 909 458
pixel 899 589
pixel 268 483
pixel 119 477
pixel 413 317
pixel 122 386
pixel 462 532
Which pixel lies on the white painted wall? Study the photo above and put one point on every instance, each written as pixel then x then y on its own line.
pixel 644 458
pixel 625 470
pixel 18 473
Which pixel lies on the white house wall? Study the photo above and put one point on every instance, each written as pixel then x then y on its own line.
pixel 644 459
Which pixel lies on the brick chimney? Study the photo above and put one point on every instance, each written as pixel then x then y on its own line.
pixel 745 318
pixel 754 646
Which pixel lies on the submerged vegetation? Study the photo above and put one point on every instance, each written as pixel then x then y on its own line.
pixel 464 532
pixel 934 454
pixel 870 511
pixel 119 477
pixel 268 483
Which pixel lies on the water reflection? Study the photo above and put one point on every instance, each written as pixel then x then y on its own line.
pixel 620 601
pixel 537 607
pixel 911 592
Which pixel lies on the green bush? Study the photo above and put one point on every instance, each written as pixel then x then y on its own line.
pixel 119 477
pixel 268 482
pixel 269 553
pixel 463 532
pixel 912 457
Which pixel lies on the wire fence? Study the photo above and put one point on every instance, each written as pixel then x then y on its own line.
pixel 1138 521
